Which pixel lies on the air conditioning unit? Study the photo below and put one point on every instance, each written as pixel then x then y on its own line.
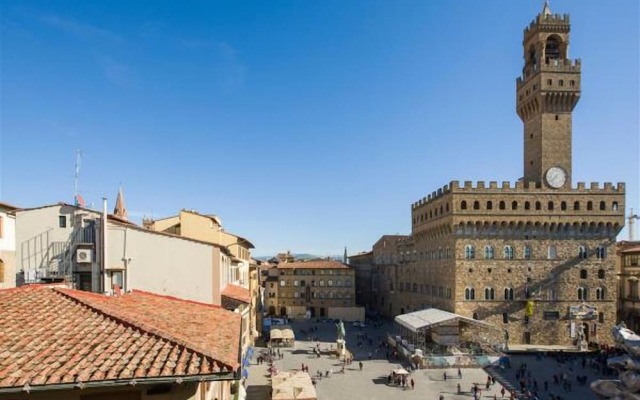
pixel 84 256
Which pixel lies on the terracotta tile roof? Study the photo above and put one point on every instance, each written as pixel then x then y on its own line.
pixel 324 264
pixel 237 293
pixel 51 335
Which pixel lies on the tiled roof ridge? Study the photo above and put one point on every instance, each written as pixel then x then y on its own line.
pixel 147 328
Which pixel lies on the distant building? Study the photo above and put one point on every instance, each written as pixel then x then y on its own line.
pixel 7 246
pixel 314 289
pixel 70 344
pixel 628 257
pixel 362 263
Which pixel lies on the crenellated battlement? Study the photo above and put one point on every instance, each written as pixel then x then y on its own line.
pixel 560 20
pixel 567 65
pixel 518 187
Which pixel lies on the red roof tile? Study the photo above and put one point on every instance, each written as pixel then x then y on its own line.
pixel 237 293
pixel 51 335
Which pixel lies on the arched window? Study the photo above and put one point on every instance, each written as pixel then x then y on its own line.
pixel 489 205
pixel 488 252
pixel 576 206
pixel 527 205
pixel 514 205
pixel 476 205
pixel 600 317
pixel 589 205
pixel 550 206
pixel 489 293
pixel 527 252
pixel 508 252
pixel 508 293
pixel 469 252
pixel 583 274
pixel 469 293
pixel 603 206
pixel 600 293
pixel 583 252
pixel 502 205
pixel 463 205
pixel 475 315
pixel 552 48
pixel 538 206
pixel 552 252
pixel 552 294
pixel 582 293
pixel 600 273
pixel 601 252
pixel 614 206
pixel 563 206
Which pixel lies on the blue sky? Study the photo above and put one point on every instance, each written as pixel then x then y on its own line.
pixel 305 125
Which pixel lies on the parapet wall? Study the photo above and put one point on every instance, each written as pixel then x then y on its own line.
pixel 519 187
pixel 554 19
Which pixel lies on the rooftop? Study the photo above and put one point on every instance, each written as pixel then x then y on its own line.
pixel 237 293
pixel 324 264
pixel 52 336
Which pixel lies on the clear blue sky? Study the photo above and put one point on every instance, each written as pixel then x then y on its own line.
pixel 305 125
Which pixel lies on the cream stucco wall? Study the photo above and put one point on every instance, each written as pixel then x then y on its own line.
pixel 7 250
pixel 162 264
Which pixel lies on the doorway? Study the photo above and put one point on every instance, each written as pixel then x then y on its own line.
pixel 283 311
pixel 322 312
pixel 527 338
pixel 312 312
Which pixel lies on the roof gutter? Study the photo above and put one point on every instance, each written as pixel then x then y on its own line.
pixel 223 376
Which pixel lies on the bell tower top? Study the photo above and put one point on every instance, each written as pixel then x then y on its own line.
pixel 547 92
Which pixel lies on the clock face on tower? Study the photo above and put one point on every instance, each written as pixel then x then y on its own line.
pixel 556 177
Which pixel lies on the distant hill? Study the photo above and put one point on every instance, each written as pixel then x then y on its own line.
pixel 300 257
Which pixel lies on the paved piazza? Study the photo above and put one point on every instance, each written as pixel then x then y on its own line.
pixel 371 382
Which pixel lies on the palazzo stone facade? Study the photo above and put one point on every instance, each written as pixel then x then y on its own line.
pixel 536 257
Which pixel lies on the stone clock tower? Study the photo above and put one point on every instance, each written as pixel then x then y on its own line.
pixel 547 92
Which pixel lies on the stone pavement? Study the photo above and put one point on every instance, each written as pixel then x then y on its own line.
pixel 371 382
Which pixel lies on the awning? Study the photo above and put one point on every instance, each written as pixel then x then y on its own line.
pixel 431 317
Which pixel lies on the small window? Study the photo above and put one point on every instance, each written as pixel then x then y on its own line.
pixel 514 205
pixel 576 206
pixel 505 318
pixel 527 252
pixel 549 82
pixel 508 293
pixel 469 252
pixel 557 117
pixel 582 293
pixel 538 206
pixel 601 317
pixel 600 293
pixel 469 293
pixel 583 274
pixel 475 315
pixel 572 83
pixel 463 205
pixel 600 273
pixel 489 205
pixel 550 206
pixel 508 252
pixel 563 206
pixel 603 206
pixel 527 205
pixel 62 221
pixel 583 253
pixel 601 252
pixel 489 294
pixel 589 205
pixel 552 252
pixel 502 205
pixel 614 206
pixel 488 252
pixel 561 82
pixel 283 283
pixel 476 205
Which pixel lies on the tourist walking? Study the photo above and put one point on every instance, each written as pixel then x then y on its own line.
pixel 413 384
pixel 360 365
pixel 459 373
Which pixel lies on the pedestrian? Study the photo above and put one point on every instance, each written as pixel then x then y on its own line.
pixel 441 396
pixel 413 384
pixel 360 365
pixel 459 373
pixel 502 392
pixel 459 389
pixel 445 375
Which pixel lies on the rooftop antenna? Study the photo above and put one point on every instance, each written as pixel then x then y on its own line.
pixel 76 177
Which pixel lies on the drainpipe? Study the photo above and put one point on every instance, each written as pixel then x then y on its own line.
pixel 103 270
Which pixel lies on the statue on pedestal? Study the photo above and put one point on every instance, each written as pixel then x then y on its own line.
pixel 341 343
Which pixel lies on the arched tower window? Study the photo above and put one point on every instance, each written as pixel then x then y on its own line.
pixel 582 293
pixel 476 205
pixel 533 59
pixel 527 252
pixel 508 252
pixel 576 205
pixel 563 206
pixel 508 293
pixel 489 205
pixel 582 252
pixel 463 205
pixel 614 206
pixel 527 205
pixel 489 293
pixel 469 293
pixel 502 205
pixel 589 205
pixel 603 206
pixel 514 205
pixel 550 206
pixel 552 48
pixel 538 206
